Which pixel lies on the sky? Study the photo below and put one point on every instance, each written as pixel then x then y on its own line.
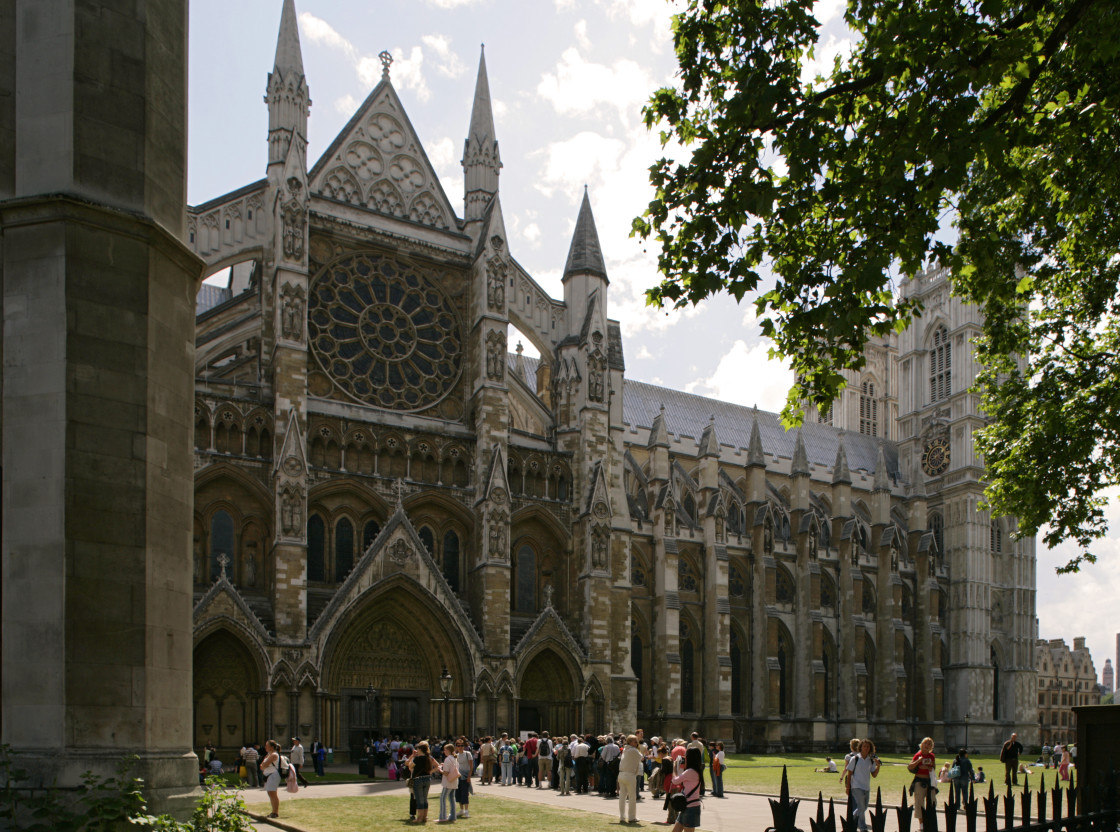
pixel 568 79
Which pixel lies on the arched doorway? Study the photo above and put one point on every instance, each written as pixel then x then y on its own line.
pixel 226 687
pixel 548 695
pixel 383 671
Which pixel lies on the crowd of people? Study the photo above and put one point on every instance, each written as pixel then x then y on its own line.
pixel 613 766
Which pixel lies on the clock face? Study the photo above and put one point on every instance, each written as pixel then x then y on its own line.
pixel 935 457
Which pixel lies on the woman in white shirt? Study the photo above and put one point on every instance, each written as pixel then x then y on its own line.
pixel 450 769
pixel 270 768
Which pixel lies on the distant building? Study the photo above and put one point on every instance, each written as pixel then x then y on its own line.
pixel 1106 676
pixel 1066 678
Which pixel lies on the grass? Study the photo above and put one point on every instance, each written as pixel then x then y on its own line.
pixel 762 774
pixel 359 814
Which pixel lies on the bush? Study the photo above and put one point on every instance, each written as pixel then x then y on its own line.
pixel 103 804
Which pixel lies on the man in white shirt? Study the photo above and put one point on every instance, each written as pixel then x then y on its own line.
pixel 859 771
pixel 580 753
pixel 629 765
pixel 295 757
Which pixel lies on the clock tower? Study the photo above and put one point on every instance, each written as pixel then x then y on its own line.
pixel 985 640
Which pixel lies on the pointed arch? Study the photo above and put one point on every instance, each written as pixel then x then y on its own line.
pixel 217 470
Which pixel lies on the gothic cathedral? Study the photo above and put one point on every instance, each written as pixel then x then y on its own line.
pixel 402 527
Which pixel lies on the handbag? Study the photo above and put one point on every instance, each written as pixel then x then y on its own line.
pixel 293 784
pixel 679 801
pixel 954 772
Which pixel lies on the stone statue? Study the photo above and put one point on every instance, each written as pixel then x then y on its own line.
pixel 495 356
pixel 496 271
pixel 291 512
pixel 894 559
pixel 599 537
pixel 251 569
pixel 295 220
pixel 814 541
pixel 768 537
pixel 291 312
pixel 548 595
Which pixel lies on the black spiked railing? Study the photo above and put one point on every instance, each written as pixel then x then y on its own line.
pixel 784 809
pixel 1029 814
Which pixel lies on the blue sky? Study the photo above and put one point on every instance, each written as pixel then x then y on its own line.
pixel 568 79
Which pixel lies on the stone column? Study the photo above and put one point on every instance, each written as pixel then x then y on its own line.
pixel 98 300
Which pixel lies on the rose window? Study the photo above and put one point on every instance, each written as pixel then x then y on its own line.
pixel 384 332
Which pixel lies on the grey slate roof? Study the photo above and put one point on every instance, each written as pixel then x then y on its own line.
pixel 687 414
pixel 210 296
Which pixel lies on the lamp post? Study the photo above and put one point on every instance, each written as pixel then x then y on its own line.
pixel 445 686
pixel 966 718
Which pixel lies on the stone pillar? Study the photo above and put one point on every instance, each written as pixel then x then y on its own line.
pixel 98 300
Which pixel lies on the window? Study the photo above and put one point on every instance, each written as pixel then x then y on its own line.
pixel 221 542
pixel 736 674
pixel 316 548
pixel 868 410
pixel 526 590
pixel 937 526
pixel 996 538
pixel 686 576
pixel 451 560
pixel 688 670
pixel 428 539
pixel 369 534
pixel 940 366
pixel 995 685
pixel 343 549
pixel 824 417
pixel 783 699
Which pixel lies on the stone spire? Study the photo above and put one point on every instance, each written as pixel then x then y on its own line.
pixel 882 481
pixel 585 256
pixel 841 473
pixel 800 457
pixel 658 435
pixel 481 161
pixel 755 454
pixel 289 56
pixel 709 445
pixel 287 95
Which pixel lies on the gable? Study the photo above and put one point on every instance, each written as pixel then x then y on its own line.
pixel 377 162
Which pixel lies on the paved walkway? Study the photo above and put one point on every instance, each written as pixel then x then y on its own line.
pixel 735 813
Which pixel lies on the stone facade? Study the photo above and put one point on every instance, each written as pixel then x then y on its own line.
pixel 386 495
pixel 1066 679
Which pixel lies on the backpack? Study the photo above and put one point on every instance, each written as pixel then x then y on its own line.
pixel 545 748
pixel 283 766
pixel 563 754
pixel 505 754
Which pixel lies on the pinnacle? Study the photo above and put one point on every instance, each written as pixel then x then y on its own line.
pixel 289 57
pixel 585 254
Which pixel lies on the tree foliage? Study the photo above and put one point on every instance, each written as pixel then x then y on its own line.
pixel 999 114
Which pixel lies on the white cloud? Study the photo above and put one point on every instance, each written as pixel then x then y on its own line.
pixel 1081 604
pixel 450 4
pixel 532 233
pixel 408 72
pixel 826 10
pixel 319 31
pixel 643 353
pixel 346 105
pixel 579 86
pixel 449 64
pixel 441 153
pixel 584 159
pixel 825 56
pixel 747 375
pixel 581 34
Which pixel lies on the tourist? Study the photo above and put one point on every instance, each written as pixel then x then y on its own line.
pixel 450 769
pixel 691 782
pixel 506 756
pixel 251 757
pixel 530 764
pixel 421 766
pixel 608 754
pixel 630 763
pixel 318 756
pixel 829 767
pixel 718 764
pixel 980 776
pixel 921 766
pixel 1065 764
pixel 581 754
pixel 465 759
pixel 943 775
pixel 544 761
pixel 270 768
pixel 564 765
pixel 295 757
pixel 488 754
pixel 1009 756
pixel 964 777
pixel 857 781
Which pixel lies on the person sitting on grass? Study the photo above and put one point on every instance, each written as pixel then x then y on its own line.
pixel 829 767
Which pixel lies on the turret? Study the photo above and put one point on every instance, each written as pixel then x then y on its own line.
pixel 585 273
pixel 756 465
pixel 709 459
pixel 799 471
pixel 841 482
pixel 287 95
pixel 658 446
pixel 881 491
pixel 481 161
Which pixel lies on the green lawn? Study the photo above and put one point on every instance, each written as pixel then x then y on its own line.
pixel 361 814
pixel 762 774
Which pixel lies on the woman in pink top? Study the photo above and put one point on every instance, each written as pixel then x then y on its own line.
pixel 690 780
pixel 450 769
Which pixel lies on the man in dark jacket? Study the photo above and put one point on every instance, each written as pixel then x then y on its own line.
pixel 1009 756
